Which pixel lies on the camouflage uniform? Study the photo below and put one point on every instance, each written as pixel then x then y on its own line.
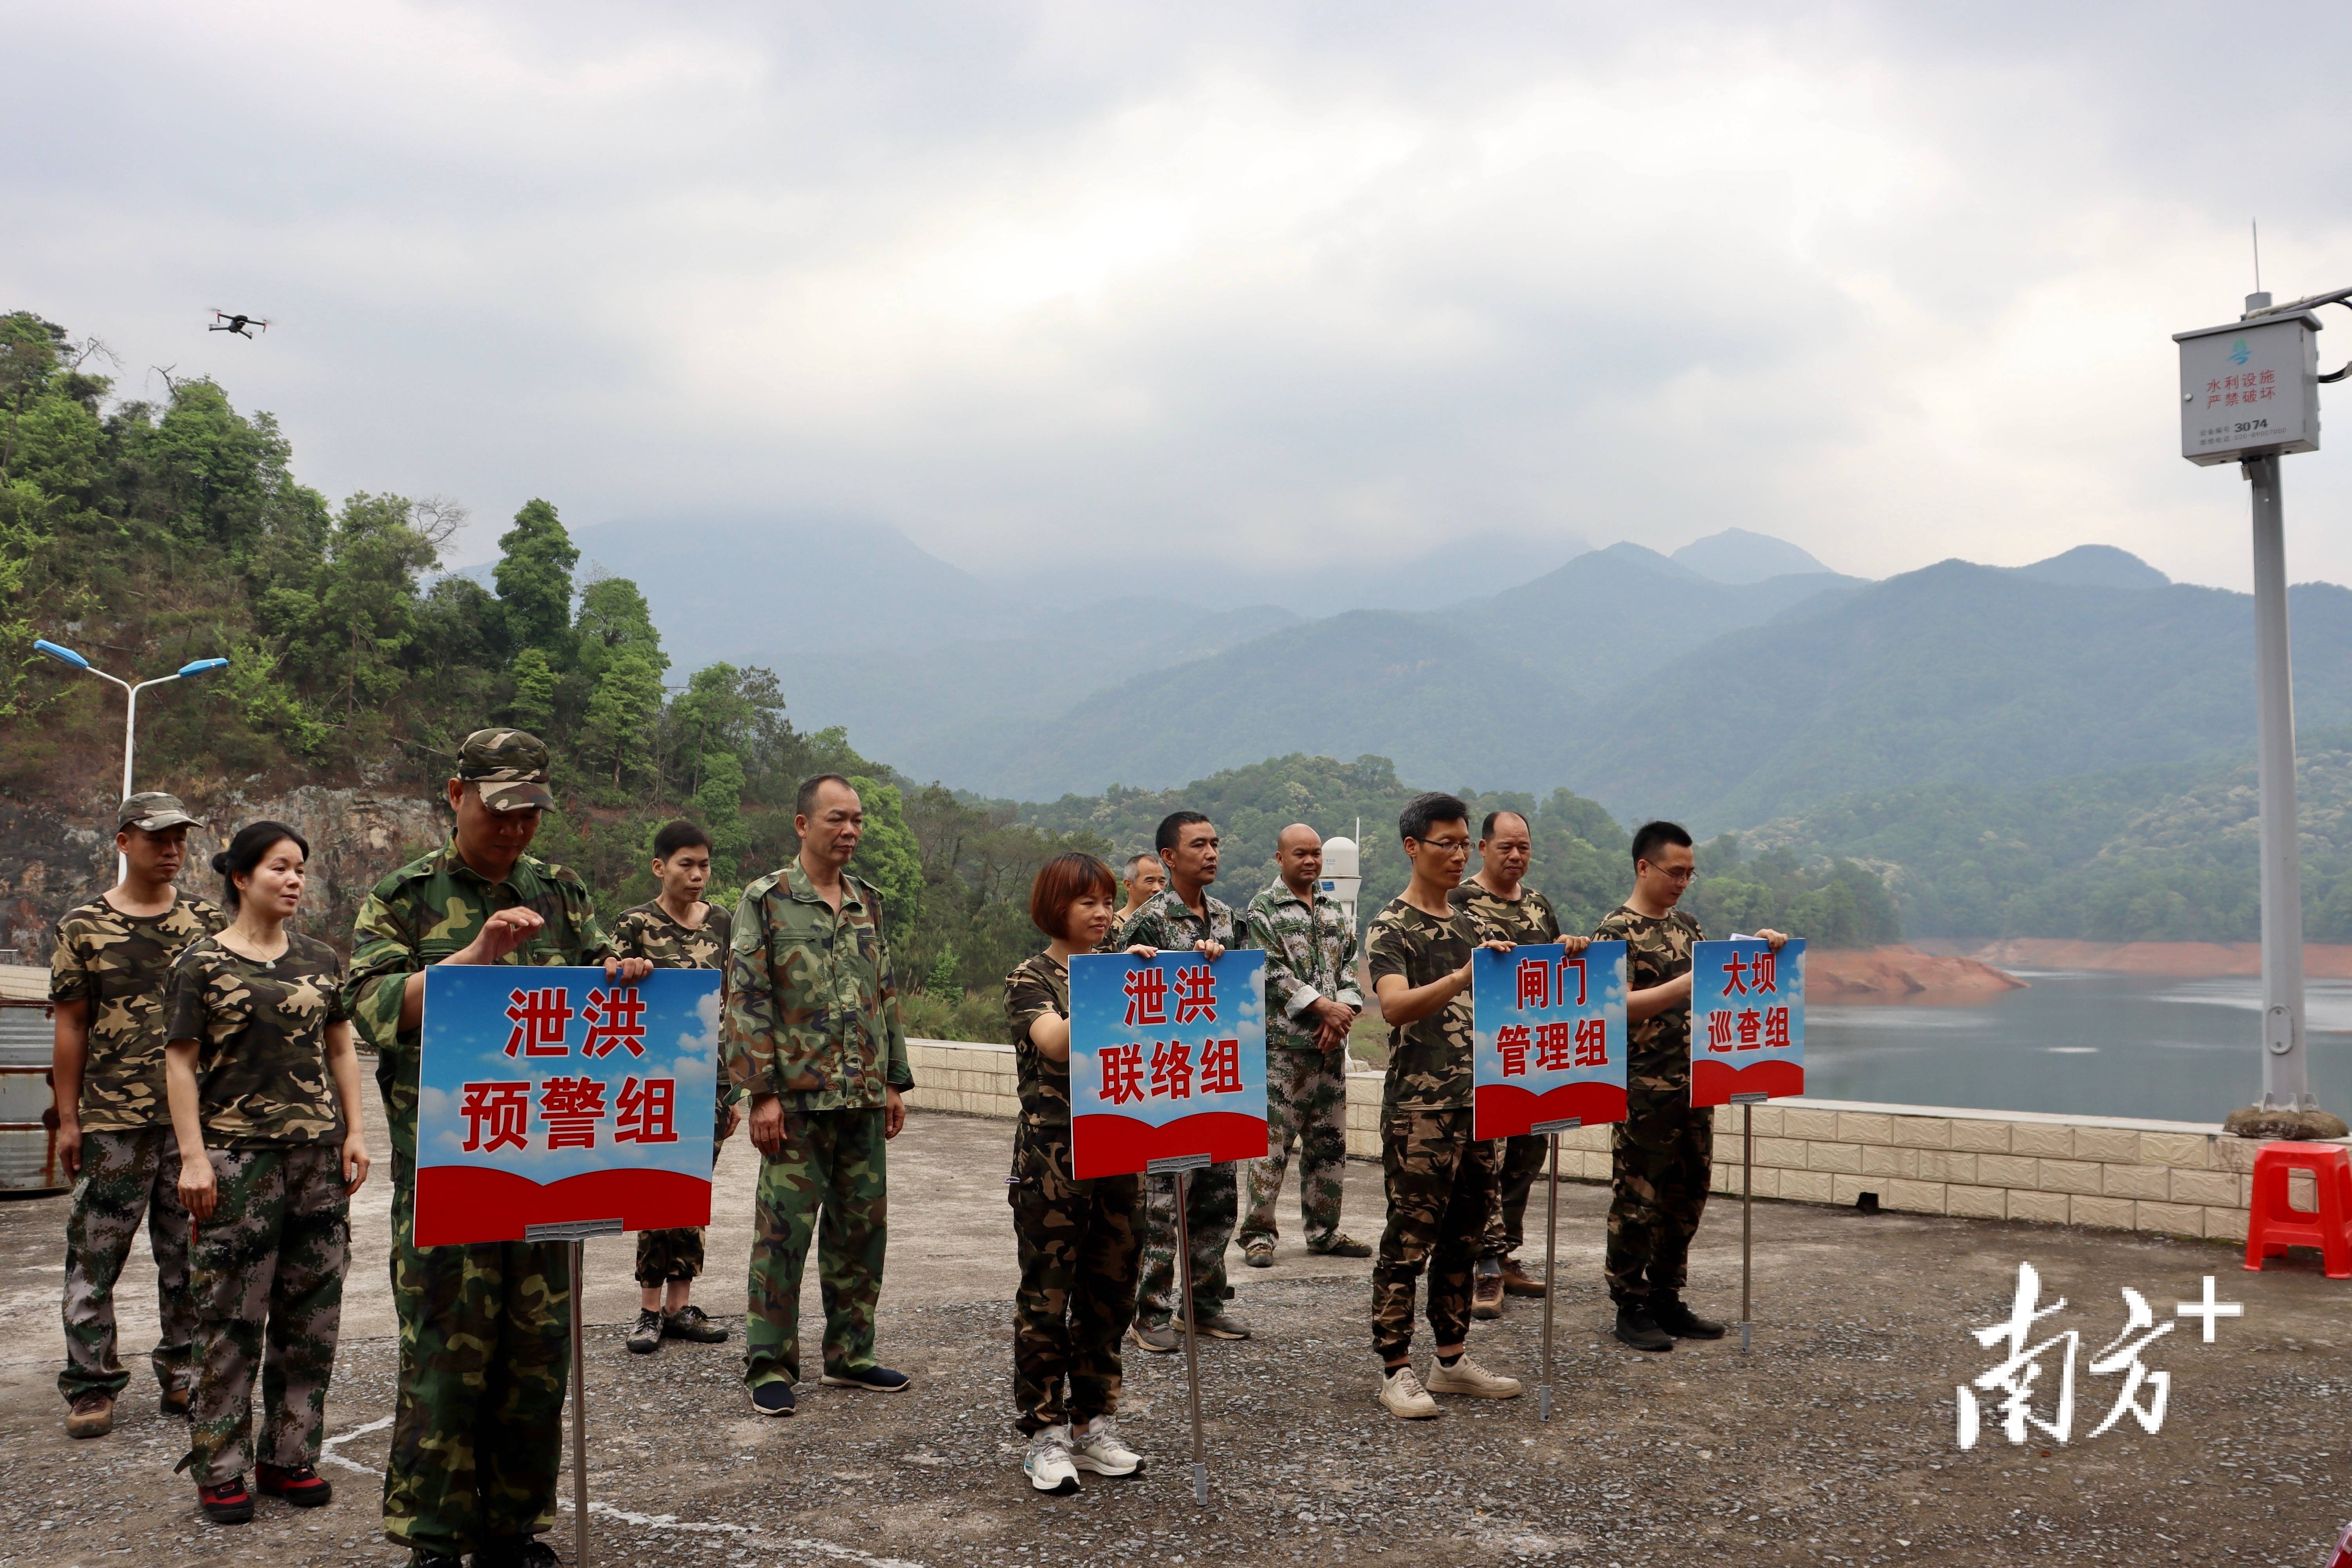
pixel 1212 1197
pixel 118 964
pixel 484 1328
pixel 1439 1185
pixel 1311 954
pixel 1524 922
pixel 1079 1241
pixel 1665 1150
pixel 810 991
pixel 648 933
pixel 268 1265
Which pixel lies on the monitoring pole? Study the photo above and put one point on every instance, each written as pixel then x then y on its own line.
pixel 2286 1077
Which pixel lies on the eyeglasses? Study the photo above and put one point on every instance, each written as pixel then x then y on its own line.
pixel 1447 845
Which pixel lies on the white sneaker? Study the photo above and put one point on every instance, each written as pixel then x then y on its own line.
pixel 1466 1376
pixel 1401 1392
pixel 1102 1452
pixel 1048 1465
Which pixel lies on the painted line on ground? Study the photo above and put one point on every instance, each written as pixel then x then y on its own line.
pixel 327 1449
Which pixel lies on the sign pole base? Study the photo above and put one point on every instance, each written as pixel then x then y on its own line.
pixel 1747 1104
pixel 576 1234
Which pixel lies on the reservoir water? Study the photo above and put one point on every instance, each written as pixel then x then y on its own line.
pixel 2099 1045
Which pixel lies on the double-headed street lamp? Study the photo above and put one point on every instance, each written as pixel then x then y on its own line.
pixel 130 712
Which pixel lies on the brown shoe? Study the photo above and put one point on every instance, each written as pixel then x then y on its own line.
pixel 1487 1296
pixel 92 1416
pixel 1517 1282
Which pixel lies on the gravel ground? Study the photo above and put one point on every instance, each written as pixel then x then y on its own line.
pixel 1831 1443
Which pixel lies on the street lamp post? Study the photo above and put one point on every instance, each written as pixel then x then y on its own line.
pixel 130 708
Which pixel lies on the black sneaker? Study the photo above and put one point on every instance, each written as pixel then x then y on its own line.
pixel 1638 1329
pixel 298 1484
pixel 647 1337
pixel 774 1399
pixel 227 1503
pixel 1669 1313
pixel 689 1323
pixel 873 1379
pixel 516 1552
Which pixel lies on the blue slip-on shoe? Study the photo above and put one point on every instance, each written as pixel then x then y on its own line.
pixel 774 1398
pixel 873 1379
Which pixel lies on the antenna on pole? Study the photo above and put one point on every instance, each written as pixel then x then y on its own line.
pixel 2256 226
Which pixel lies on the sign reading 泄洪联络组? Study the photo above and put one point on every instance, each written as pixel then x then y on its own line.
pixel 548 1095
pixel 1748 1020
pixel 1167 1060
pixel 1547 1034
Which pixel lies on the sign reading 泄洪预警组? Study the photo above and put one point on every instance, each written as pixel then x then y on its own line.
pixel 1548 1033
pixel 2250 388
pixel 1748 1020
pixel 549 1095
pixel 1167 1060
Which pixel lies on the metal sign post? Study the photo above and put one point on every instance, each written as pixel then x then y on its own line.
pixel 1748 1104
pixel 1177 1166
pixel 1550 1131
pixel 576 1233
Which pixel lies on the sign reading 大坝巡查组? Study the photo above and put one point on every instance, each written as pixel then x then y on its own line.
pixel 1748 1019
pixel 547 1094
pixel 1548 1037
pixel 1166 1059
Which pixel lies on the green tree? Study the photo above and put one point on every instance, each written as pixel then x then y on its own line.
pixel 618 727
pixel 534 581
pixel 889 855
pixel 532 705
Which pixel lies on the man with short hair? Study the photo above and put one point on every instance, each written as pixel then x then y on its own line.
pixel 1663 1149
pixel 814 1035
pixel 1311 1002
pixel 1144 877
pixel 1504 909
pixel 1185 917
pixel 485 1329
pixel 106 974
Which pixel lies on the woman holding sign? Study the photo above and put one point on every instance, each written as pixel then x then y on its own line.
pixel 263 1080
pixel 1081 1241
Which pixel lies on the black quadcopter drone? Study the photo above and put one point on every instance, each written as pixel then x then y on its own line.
pixel 242 325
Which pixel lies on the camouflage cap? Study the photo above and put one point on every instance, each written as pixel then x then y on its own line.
pixel 152 811
pixel 511 768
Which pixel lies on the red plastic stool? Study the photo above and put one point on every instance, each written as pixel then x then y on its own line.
pixel 2272 1225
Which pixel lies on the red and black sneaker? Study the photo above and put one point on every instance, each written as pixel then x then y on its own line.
pixel 298 1484
pixel 227 1503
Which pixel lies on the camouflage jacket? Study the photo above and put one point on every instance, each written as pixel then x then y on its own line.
pixel 1657 1049
pixel 810 991
pixel 1523 922
pixel 426 910
pixel 1039 985
pixel 1428 1061
pixel 1310 953
pixel 647 931
pixel 261 1040
pixel 1165 922
pixel 121 964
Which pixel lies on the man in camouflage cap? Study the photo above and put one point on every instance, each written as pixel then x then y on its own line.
pixel 477 1435
pixel 107 975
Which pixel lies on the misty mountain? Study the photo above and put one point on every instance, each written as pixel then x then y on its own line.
pixel 2095 566
pixel 1737 555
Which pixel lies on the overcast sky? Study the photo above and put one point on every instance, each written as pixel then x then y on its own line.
pixel 1052 281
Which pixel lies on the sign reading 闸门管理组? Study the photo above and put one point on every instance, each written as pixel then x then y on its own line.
pixel 1547 1034
pixel 548 1095
pixel 2250 388
pixel 1748 1020
pixel 1166 1059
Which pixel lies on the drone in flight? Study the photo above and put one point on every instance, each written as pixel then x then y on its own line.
pixel 241 324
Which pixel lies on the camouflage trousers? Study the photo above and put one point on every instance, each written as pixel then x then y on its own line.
pixel 1306 1104
pixel 677 1254
pixel 1664 1152
pixel 123 1177
pixel 836 1162
pixel 1079 1245
pixel 268 1272
pixel 1212 1203
pixel 485 1353
pixel 1439 1184
pixel 1517 1163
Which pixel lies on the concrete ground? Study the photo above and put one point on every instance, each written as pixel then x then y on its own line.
pixel 1831 1443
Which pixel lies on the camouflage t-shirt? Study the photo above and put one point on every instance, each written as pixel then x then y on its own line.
pixel 1038 985
pixel 649 932
pixel 120 964
pixel 261 1040
pixel 1523 922
pixel 1167 922
pixel 1657 1049
pixel 1428 1061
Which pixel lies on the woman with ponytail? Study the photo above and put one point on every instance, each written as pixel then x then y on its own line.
pixel 265 1088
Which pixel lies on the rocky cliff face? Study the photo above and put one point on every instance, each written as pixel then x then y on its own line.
pixel 53 856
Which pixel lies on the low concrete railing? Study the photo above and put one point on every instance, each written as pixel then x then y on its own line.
pixel 2182 1178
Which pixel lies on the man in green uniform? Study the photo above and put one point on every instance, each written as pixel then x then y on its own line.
pixel 676 930
pixel 1144 878
pixel 106 975
pixel 812 1033
pixel 1504 909
pixel 1185 916
pixel 477 1435
pixel 1663 1149
pixel 1311 1002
